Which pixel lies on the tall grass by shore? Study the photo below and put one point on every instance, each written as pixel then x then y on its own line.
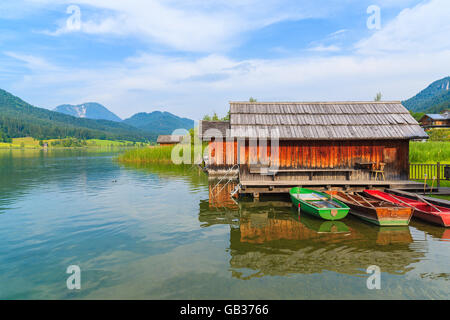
pixel 429 152
pixel 155 154
pixel 420 152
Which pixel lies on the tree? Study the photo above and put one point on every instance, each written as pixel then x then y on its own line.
pixel 252 99
pixel 417 115
pixel 227 117
pixel 378 97
pixel 215 117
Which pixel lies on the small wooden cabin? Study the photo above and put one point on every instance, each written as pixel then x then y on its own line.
pixel 436 120
pixel 324 141
pixel 169 140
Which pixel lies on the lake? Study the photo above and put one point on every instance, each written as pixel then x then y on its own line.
pixel 155 233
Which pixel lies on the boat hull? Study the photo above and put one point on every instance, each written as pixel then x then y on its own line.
pixel 421 210
pixel 323 213
pixel 383 216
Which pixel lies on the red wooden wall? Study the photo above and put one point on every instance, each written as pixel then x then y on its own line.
pixel 315 154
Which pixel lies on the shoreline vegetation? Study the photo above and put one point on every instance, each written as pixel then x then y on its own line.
pixel 139 152
pixel 419 152
pixel 31 143
pixel 152 155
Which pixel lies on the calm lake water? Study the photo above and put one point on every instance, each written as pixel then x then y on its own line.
pixel 152 233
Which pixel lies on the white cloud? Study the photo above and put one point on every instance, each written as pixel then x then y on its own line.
pixel 424 28
pixel 416 41
pixel 34 63
pixel 196 26
pixel 193 87
pixel 337 33
pixel 322 48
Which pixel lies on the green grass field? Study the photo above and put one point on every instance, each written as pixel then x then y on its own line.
pixel 31 143
pixel 429 152
pixel 439 134
pixel 28 143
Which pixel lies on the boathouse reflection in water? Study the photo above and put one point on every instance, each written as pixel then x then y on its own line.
pixel 271 239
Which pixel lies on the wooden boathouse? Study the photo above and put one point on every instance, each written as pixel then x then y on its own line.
pixel 169 140
pixel 277 145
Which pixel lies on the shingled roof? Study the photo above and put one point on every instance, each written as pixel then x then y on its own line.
pixel 169 139
pixel 444 116
pixel 213 129
pixel 323 120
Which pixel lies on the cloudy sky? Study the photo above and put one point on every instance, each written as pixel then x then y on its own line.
pixel 191 57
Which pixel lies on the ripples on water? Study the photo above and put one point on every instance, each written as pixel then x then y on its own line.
pixel 155 232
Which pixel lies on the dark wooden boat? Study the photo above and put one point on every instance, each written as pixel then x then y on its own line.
pixel 381 213
pixel 422 209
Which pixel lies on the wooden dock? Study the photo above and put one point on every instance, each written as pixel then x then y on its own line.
pixel 256 187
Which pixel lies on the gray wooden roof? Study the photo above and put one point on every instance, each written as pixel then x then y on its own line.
pixel 444 116
pixel 169 139
pixel 323 120
pixel 213 129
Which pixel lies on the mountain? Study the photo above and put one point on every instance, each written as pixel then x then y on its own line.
pixel 434 99
pixel 90 110
pixel 160 122
pixel 20 119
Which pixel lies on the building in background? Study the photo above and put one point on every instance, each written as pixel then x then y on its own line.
pixel 169 140
pixel 436 120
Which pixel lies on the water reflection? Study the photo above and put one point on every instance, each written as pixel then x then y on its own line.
pixel 271 239
pixel 434 232
pixel 161 231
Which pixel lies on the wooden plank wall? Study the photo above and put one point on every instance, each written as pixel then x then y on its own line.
pixel 315 155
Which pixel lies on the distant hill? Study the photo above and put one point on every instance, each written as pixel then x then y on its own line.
pixel 159 122
pixel 434 99
pixel 20 119
pixel 90 110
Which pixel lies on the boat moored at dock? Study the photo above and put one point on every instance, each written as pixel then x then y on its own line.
pixel 318 204
pixel 422 209
pixel 379 212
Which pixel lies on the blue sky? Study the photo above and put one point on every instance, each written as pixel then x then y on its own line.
pixel 191 57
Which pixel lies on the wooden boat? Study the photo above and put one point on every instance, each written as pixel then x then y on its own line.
pixel 318 204
pixel 381 213
pixel 422 209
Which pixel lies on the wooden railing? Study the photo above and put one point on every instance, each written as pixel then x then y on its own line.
pixel 429 172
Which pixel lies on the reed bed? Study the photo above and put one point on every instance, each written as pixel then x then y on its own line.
pixel 154 154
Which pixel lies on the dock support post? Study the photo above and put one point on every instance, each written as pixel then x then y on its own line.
pixel 438 174
pixel 256 195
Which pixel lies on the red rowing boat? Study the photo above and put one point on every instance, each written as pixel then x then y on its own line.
pixel 422 210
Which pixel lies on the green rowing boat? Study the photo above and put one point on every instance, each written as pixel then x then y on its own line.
pixel 318 204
